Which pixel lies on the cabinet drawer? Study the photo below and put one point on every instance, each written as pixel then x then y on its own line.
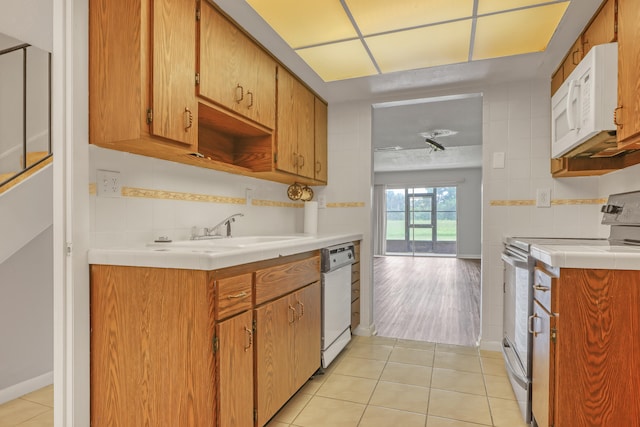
pixel 544 288
pixel 355 291
pixel 279 280
pixel 233 295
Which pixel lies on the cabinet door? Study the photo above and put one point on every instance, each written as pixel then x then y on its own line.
pixel 321 141
pixel 174 103
pixel 308 330
pixel 116 82
pixel 234 71
pixel 274 356
pixel 235 370
pixel 628 113
pixel 295 128
pixel 573 58
pixel 602 29
pixel 542 369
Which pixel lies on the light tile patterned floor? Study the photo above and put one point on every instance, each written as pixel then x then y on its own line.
pixel 384 382
pixel 31 410
pixel 376 382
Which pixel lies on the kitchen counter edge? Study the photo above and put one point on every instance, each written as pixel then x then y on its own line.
pixel 192 259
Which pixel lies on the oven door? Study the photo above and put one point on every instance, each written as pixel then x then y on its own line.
pixel 516 343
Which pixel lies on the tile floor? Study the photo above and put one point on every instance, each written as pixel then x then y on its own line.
pixel 31 410
pixel 376 382
pixel 384 382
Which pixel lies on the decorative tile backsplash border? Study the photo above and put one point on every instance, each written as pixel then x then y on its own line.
pixel 554 202
pixel 207 198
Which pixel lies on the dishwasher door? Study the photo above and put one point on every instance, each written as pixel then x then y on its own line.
pixel 336 312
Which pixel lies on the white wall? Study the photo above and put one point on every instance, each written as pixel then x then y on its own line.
pixel 26 314
pixel 26 276
pixel 28 20
pixel 469 198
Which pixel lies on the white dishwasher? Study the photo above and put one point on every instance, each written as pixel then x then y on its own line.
pixel 336 300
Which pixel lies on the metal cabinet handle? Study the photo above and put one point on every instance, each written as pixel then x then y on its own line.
pixel 292 318
pixel 318 167
pixel 302 159
pixel 241 97
pixel 250 99
pixel 240 295
pixel 249 340
pixel 541 288
pixel 188 119
pixel 531 326
pixel 615 116
pixel 301 309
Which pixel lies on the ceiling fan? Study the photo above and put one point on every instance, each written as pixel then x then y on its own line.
pixel 431 142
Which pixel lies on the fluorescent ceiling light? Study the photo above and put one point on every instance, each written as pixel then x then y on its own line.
pixel 342 39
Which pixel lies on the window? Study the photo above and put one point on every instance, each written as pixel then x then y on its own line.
pixel 421 220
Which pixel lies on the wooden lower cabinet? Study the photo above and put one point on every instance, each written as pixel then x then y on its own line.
pixel 287 348
pixel 188 348
pixel 152 362
pixel 586 373
pixel 234 366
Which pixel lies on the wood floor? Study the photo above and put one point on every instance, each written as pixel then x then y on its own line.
pixel 427 299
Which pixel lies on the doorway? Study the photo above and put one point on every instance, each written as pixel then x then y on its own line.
pixel 421 221
pixel 427 160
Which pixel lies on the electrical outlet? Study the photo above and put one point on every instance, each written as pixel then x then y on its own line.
pixel 322 201
pixel 249 195
pixel 108 183
pixel 543 197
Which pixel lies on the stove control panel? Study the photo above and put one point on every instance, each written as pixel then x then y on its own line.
pixel 622 209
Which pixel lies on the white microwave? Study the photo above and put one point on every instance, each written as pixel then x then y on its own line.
pixel 583 106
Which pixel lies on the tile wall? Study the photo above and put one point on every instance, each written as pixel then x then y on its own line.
pixel 517 123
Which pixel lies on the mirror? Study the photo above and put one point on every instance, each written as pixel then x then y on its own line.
pixel 25 107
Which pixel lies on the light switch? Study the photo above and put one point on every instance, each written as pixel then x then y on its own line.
pixel 498 160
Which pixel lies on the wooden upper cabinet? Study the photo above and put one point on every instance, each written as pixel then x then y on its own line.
pixel 175 108
pixel 141 71
pixel 603 27
pixel 321 150
pixel 234 71
pixel 573 58
pixel 627 115
pixel 295 128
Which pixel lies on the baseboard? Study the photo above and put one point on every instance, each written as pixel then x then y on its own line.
pixel 468 256
pixel 25 387
pixel 364 331
pixel 491 345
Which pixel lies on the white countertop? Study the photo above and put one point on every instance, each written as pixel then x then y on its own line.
pixel 583 255
pixel 199 258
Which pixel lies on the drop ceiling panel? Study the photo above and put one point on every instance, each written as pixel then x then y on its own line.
pixel 339 61
pixel 378 16
pixel 306 23
pixel 513 33
pixel 422 47
pixel 490 6
pixel 410 34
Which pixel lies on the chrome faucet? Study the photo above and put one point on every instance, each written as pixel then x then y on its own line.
pixel 214 232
